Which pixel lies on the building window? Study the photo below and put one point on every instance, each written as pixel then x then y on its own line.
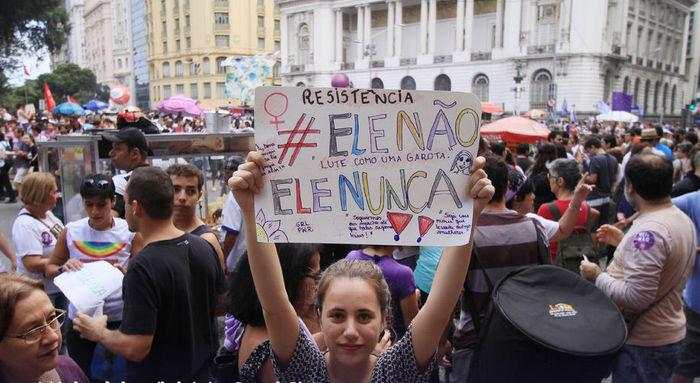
pixel 187 21
pixel 188 42
pixel 220 69
pixel 663 99
pixel 277 46
pixel 167 92
pixel 673 99
pixel 194 91
pixel 657 90
pixel 443 82
pixel 207 65
pixel 277 26
pixel 261 24
pixel 166 69
pixel 165 47
pixel 377 83
pixel 408 83
pixel 179 70
pixel 221 90
pixel 303 43
pixel 177 45
pixel 221 41
pixel 221 18
pixel 647 89
pixel 261 43
pixel 626 85
pixel 539 89
pixel 207 90
pixel 180 89
pixel 636 92
pixel 480 87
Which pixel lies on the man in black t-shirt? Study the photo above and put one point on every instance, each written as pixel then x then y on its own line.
pixel 170 290
pixel 602 173
pixel 129 151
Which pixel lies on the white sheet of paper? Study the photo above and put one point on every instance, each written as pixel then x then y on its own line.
pixel 365 166
pixel 91 284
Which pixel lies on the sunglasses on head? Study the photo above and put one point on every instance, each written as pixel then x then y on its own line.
pixel 101 184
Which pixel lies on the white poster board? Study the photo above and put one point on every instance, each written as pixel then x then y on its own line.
pixel 365 166
pixel 91 284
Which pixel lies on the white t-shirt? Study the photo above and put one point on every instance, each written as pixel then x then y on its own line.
pixel 32 237
pixel 232 222
pixel 120 181
pixel 89 245
pixel 550 227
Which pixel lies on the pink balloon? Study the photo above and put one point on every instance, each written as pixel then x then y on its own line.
pixel 119 94
pixel 340 80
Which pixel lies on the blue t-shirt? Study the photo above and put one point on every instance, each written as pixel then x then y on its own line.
pixel 666 151
pixel 426 265
pixel 690 205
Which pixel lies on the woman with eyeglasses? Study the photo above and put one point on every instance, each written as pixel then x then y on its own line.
pixel 36 230
pixel 30 336
pixel 245 327
pixel 97 237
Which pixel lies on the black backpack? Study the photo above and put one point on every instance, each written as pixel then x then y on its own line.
pixel 570 251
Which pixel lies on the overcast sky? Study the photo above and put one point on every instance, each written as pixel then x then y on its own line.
pixel 35 67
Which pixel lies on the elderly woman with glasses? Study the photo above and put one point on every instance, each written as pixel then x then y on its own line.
pixel 30 336
pixel 97 237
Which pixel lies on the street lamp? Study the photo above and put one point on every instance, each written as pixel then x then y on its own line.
pixel 517 89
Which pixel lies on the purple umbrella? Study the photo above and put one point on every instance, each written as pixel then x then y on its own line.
pixel 179 103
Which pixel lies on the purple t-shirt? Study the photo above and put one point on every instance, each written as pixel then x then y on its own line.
pixel 69 372
pixel 401 284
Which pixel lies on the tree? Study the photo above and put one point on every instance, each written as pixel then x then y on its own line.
pixel 31 25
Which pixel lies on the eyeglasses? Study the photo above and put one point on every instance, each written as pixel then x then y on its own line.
pixel 34 335
pixel 101 184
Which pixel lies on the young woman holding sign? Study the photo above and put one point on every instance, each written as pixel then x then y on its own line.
pixel 353 301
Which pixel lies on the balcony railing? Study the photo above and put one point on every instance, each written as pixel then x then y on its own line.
pixel 481 56
pixel 220 3
pixel 297 68
pixel 376 64
pixel 442 59
pixel 222 27
pixel 540 49
pixel 261 8
pixel 347 66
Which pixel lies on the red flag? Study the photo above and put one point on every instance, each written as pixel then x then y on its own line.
pixel 71 99
pixel 26 71
pixel 48 97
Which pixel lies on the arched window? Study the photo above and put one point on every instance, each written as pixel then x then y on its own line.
pixel 303 43
pixel 626 85
pixel 663 98
pixel 301 84
pixel 119 63
pixel 442 82
pixel 408 83
pixel 166 69
pixel 480 87
pixel 636 92
pixel 206 65
pixel 647 89
pixel 179 71
pixel 377 83
pixel 539 89
pixel 673 99
pixel 220 69
pixel 657 90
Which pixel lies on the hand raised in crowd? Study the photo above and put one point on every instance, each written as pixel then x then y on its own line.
pixel 581 191
pixel 610 235
pixel 480 188
pixel 247 181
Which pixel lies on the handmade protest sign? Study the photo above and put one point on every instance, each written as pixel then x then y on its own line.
pixel 91 284
pixel 365 166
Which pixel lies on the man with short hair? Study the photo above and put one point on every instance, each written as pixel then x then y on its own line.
pixel 168 331
pixel 522 158
pixel 602 172
pixel 187 187
pixel 555 137
pixel 651 265
pixel 129 151
pixel 691 182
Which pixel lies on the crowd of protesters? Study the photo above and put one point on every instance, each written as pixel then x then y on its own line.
pixel 616 204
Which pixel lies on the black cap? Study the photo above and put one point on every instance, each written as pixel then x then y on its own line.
pixel 133 137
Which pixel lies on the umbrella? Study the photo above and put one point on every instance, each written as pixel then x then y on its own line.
pixel 535 113
pixel 515 129
pixel 68 109
pixel 491 108
pixel 95 105
pixel 617 115
pixel 179 103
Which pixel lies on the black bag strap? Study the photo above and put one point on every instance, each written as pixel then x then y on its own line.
pixel 543 255
pixel 468 299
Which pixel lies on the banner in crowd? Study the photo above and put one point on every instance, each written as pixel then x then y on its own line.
pixel 365 166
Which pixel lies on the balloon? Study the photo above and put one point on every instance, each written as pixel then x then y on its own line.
pixel 119 94
pixel 340 80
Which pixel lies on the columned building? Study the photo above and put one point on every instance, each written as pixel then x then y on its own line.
pixel 564 50
pixel 76 48
pixel 98 39
pixel 122 47
pixel 140 54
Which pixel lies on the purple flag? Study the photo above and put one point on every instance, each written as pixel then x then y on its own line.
pixel 621 101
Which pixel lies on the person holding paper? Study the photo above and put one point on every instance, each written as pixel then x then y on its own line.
pixel 97 237
pixel 30 336
pixel 168 332
pixel 353 301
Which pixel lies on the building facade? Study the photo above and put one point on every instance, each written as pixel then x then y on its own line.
pixel 76 44
pixel 122 48
pixel 560 50
pixel 98 39
pixel 188 40
pixel 139 35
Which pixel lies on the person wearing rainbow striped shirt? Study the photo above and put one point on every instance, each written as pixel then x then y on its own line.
pixel 97 237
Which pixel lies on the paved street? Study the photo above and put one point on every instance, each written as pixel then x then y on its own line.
pixel 8 212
